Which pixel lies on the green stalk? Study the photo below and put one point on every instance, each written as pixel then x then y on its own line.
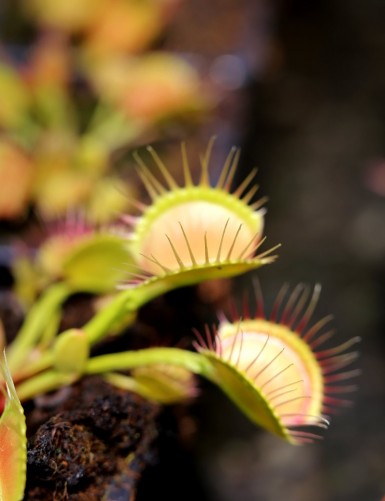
pixel 245 394
pixel 53 379
pixel 42 363
pixel 100 324
pixel 193 362
pixel 35 323
pixel 42 383
pixel 129 300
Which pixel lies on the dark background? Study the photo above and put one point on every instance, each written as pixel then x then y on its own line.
pixel 309 112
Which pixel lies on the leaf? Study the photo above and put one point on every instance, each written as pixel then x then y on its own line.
pixel 245 396
pixel 199 273
pixel 97 264
pixel 161 383
pixel 71 351
pixel 13 441
pixel 14 105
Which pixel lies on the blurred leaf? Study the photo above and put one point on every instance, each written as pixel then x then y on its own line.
pixel 14 97
pixel 97 264
pixel 109 198
pixel 13 441
pixel 71 351
pixel 54 107
pixel 16 174
pixel 165 384
pixel 28 279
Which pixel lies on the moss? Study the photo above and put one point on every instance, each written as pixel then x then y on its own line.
pixel 98 439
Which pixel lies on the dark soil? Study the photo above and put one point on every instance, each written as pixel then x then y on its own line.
pixel 92 441
pixel 89 442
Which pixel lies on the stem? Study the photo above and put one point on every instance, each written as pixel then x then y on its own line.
pixel 194 362
pixel 42 383
pixel 100 324
pixel 52 379
pixel 35 323
pixel 44 362
pixel 127 301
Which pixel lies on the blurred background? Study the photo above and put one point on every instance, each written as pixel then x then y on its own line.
pixel 299 86
pixel 305 101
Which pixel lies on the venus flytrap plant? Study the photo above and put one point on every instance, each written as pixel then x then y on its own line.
pixel 186 235
pixel 94 264
pixel 279 356
pixel 32 329
pixel 40 368
pixel 274 368
pixel 59 366
pixel 195 232
pixel 85 257
pixel 83 260
pixel 271 368
pixel 171 245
